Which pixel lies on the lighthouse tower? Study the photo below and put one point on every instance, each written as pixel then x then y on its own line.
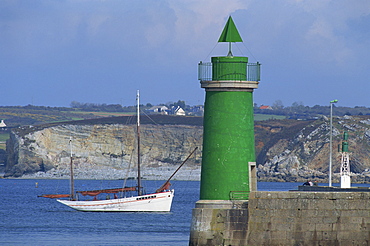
pixel 345 178
pixel 228 160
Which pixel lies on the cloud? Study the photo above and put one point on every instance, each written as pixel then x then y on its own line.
pixel 328 31
pixel 199 23
pixel 96 45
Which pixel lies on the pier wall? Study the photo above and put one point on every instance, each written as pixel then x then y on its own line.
pixel 285 218
pixel 219 222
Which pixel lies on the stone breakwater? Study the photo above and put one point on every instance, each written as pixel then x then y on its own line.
pixel 309 218
pixel 104 151
pixel 284 218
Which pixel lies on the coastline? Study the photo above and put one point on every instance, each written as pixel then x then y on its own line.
pixel 185 174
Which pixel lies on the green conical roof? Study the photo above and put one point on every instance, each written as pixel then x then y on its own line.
pixel 230 33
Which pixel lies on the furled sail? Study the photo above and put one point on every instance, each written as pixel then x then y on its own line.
pixel 97 192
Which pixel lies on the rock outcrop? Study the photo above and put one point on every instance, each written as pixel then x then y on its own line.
pixel 103 151
pixel 286 150
pixel 300 152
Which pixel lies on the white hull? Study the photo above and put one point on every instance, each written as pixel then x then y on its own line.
pixel 156 202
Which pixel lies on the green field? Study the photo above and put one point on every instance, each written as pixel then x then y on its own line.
pixel 257 117
pixel 3 138
pixel 105 114
pixel 260 117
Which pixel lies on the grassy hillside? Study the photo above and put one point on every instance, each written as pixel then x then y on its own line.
pixel 3 138
pixel 261 117
pixel 16 116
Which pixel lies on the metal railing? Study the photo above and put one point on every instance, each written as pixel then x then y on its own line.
pixel 235 71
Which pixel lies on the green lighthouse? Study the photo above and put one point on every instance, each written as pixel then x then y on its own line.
pixel 228 139
pixel 228 171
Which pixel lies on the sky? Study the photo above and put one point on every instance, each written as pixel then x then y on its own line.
pixel 53 52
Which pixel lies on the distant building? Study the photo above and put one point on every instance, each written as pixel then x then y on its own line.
pixel 2 123
pixel 266 107
pixel 179 111
pixel 158 110
pixel 196 110
pixel 176 110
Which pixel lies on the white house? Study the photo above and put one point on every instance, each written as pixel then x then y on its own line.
pixel 2 123
pixel 158 109
pixel 178 111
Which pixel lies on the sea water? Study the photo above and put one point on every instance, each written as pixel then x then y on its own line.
pixel 26 219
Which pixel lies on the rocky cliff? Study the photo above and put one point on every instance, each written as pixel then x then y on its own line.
pixel 286 150
pixel 301 151
pixel 106 149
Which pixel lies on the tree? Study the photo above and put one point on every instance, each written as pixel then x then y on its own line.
pixel 297 105
pixel 75 104
pixel 278 104
pixel 180 103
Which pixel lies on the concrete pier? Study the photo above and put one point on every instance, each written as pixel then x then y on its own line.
pixel 284 218
pixel 219 222
pixel 309 218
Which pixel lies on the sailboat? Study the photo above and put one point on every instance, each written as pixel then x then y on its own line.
pixel 159 201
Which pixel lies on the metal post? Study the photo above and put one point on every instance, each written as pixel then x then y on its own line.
pixel 72 183
pixel 331 140
pixel 139 191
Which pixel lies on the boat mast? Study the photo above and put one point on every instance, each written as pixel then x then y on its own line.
pixel 139 193
pixel 72 184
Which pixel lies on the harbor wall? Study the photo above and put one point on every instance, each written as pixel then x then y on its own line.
pixel 286 218
pixel 219 222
